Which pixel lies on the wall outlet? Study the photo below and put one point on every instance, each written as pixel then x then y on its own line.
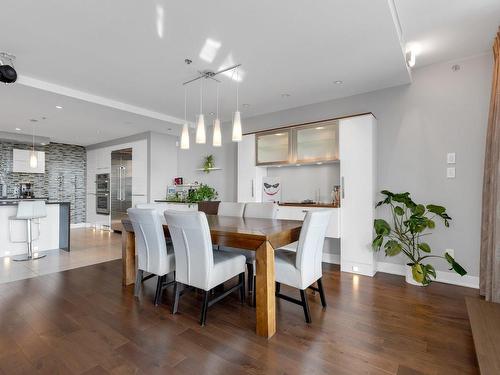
pixel 451 252
pixel 450 158
pixel 450 172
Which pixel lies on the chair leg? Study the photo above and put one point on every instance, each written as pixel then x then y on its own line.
pixel 159 289
pixel 305 306
pixel 250 277
pixel 254 292
pixel 138 283
pixel 177 296
pixel 278 287
pixel 204 307
pixel 321 292
pixel 242 287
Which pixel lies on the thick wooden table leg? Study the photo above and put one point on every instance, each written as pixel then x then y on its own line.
pixel 266 300
pixel 128 257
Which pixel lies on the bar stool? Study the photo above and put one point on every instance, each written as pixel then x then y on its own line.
pixel 29 212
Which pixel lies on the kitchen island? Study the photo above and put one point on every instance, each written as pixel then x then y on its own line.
pixel 54 229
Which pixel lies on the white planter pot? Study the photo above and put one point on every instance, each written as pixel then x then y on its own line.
pixel 409 277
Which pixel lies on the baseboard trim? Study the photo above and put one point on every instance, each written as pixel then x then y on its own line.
pixel 331 258
pixel 79 225
pixel 441 276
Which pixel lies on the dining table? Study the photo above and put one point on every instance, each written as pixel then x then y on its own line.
pixel 260 235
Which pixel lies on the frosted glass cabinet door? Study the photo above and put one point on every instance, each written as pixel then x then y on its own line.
pixel 317 142
pixel 273 147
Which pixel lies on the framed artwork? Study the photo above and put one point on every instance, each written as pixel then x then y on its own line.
pixel 271 189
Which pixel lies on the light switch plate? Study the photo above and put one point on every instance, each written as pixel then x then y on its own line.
pixel 450 172
pixel 451 158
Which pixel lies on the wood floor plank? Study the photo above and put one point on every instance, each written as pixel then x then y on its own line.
pixel 83 321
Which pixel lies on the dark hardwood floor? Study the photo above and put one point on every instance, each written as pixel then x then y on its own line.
pixel 82 321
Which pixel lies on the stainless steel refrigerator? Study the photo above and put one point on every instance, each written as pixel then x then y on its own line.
pixel 121 186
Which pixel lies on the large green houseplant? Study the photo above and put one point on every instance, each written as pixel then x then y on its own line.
pixel 411 222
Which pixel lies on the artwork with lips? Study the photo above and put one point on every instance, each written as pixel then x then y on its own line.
pixel 271 189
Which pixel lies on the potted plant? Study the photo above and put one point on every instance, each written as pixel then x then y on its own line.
pixel 411 222
pixel 208 163
pixel 201 194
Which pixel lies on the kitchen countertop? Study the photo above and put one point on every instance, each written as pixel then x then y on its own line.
pixel 297 204
pixel 13 201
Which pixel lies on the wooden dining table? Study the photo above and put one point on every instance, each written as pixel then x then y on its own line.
pixel 260 235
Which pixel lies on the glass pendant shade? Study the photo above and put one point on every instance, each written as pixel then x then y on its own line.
pixel 200 130
pixel 237 133
pixel 33 159
pixel 217 141
pixel 185 137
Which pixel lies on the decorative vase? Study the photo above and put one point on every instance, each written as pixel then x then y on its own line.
pixel 409 277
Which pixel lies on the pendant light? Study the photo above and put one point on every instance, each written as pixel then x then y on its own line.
pixel 200 127
pixel 33 155
pixel 237 132
pixel 185 128
pixel 217 140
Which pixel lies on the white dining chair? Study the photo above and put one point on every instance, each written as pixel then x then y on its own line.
pixel 154 256
pixel 197 265
pixel 231 209
pixel 303 267
pixel 159 207
pixel 262 210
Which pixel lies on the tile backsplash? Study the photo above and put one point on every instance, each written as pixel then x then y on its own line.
pixel 63 180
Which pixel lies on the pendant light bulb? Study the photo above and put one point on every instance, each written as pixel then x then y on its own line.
pixel 33 159
pixel 200 127
pixel 33 155
pixel 185 137
pixel 200 130
pixel 237 132
pixel 217 141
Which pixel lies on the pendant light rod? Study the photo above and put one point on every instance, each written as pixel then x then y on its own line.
pixel 211 74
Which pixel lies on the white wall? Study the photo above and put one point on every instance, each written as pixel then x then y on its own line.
pixel 299 183
pixel 163 164
pixel 223 181
pixel 441 111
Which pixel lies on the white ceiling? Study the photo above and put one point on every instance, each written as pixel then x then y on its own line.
pixel 445 30
pixel 117 66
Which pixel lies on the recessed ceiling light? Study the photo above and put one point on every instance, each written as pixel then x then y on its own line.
pixel 33 120
pixel 58 107
pixel 245 105
pixel 338 82
pixel 285 95
pixel 18 129
pixel 169 129
pixel 212 113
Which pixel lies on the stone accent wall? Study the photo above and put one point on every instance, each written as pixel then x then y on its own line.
pixel 64 178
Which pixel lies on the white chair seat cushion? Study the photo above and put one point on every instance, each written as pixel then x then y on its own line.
pixel 226 266
pixel 248 254
pixel 286 272
pixel 169 264
pixel 290 247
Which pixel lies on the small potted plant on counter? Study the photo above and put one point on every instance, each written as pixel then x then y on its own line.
pixel 410 223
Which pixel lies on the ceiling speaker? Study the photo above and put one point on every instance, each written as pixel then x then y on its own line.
pixel 7 74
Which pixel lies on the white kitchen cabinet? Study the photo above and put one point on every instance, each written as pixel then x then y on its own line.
pixel 140 170
pixel 21 161
pixel 358 179
pixel 249 175
pixel 91 170
pixel 103 162
pixel 299 213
